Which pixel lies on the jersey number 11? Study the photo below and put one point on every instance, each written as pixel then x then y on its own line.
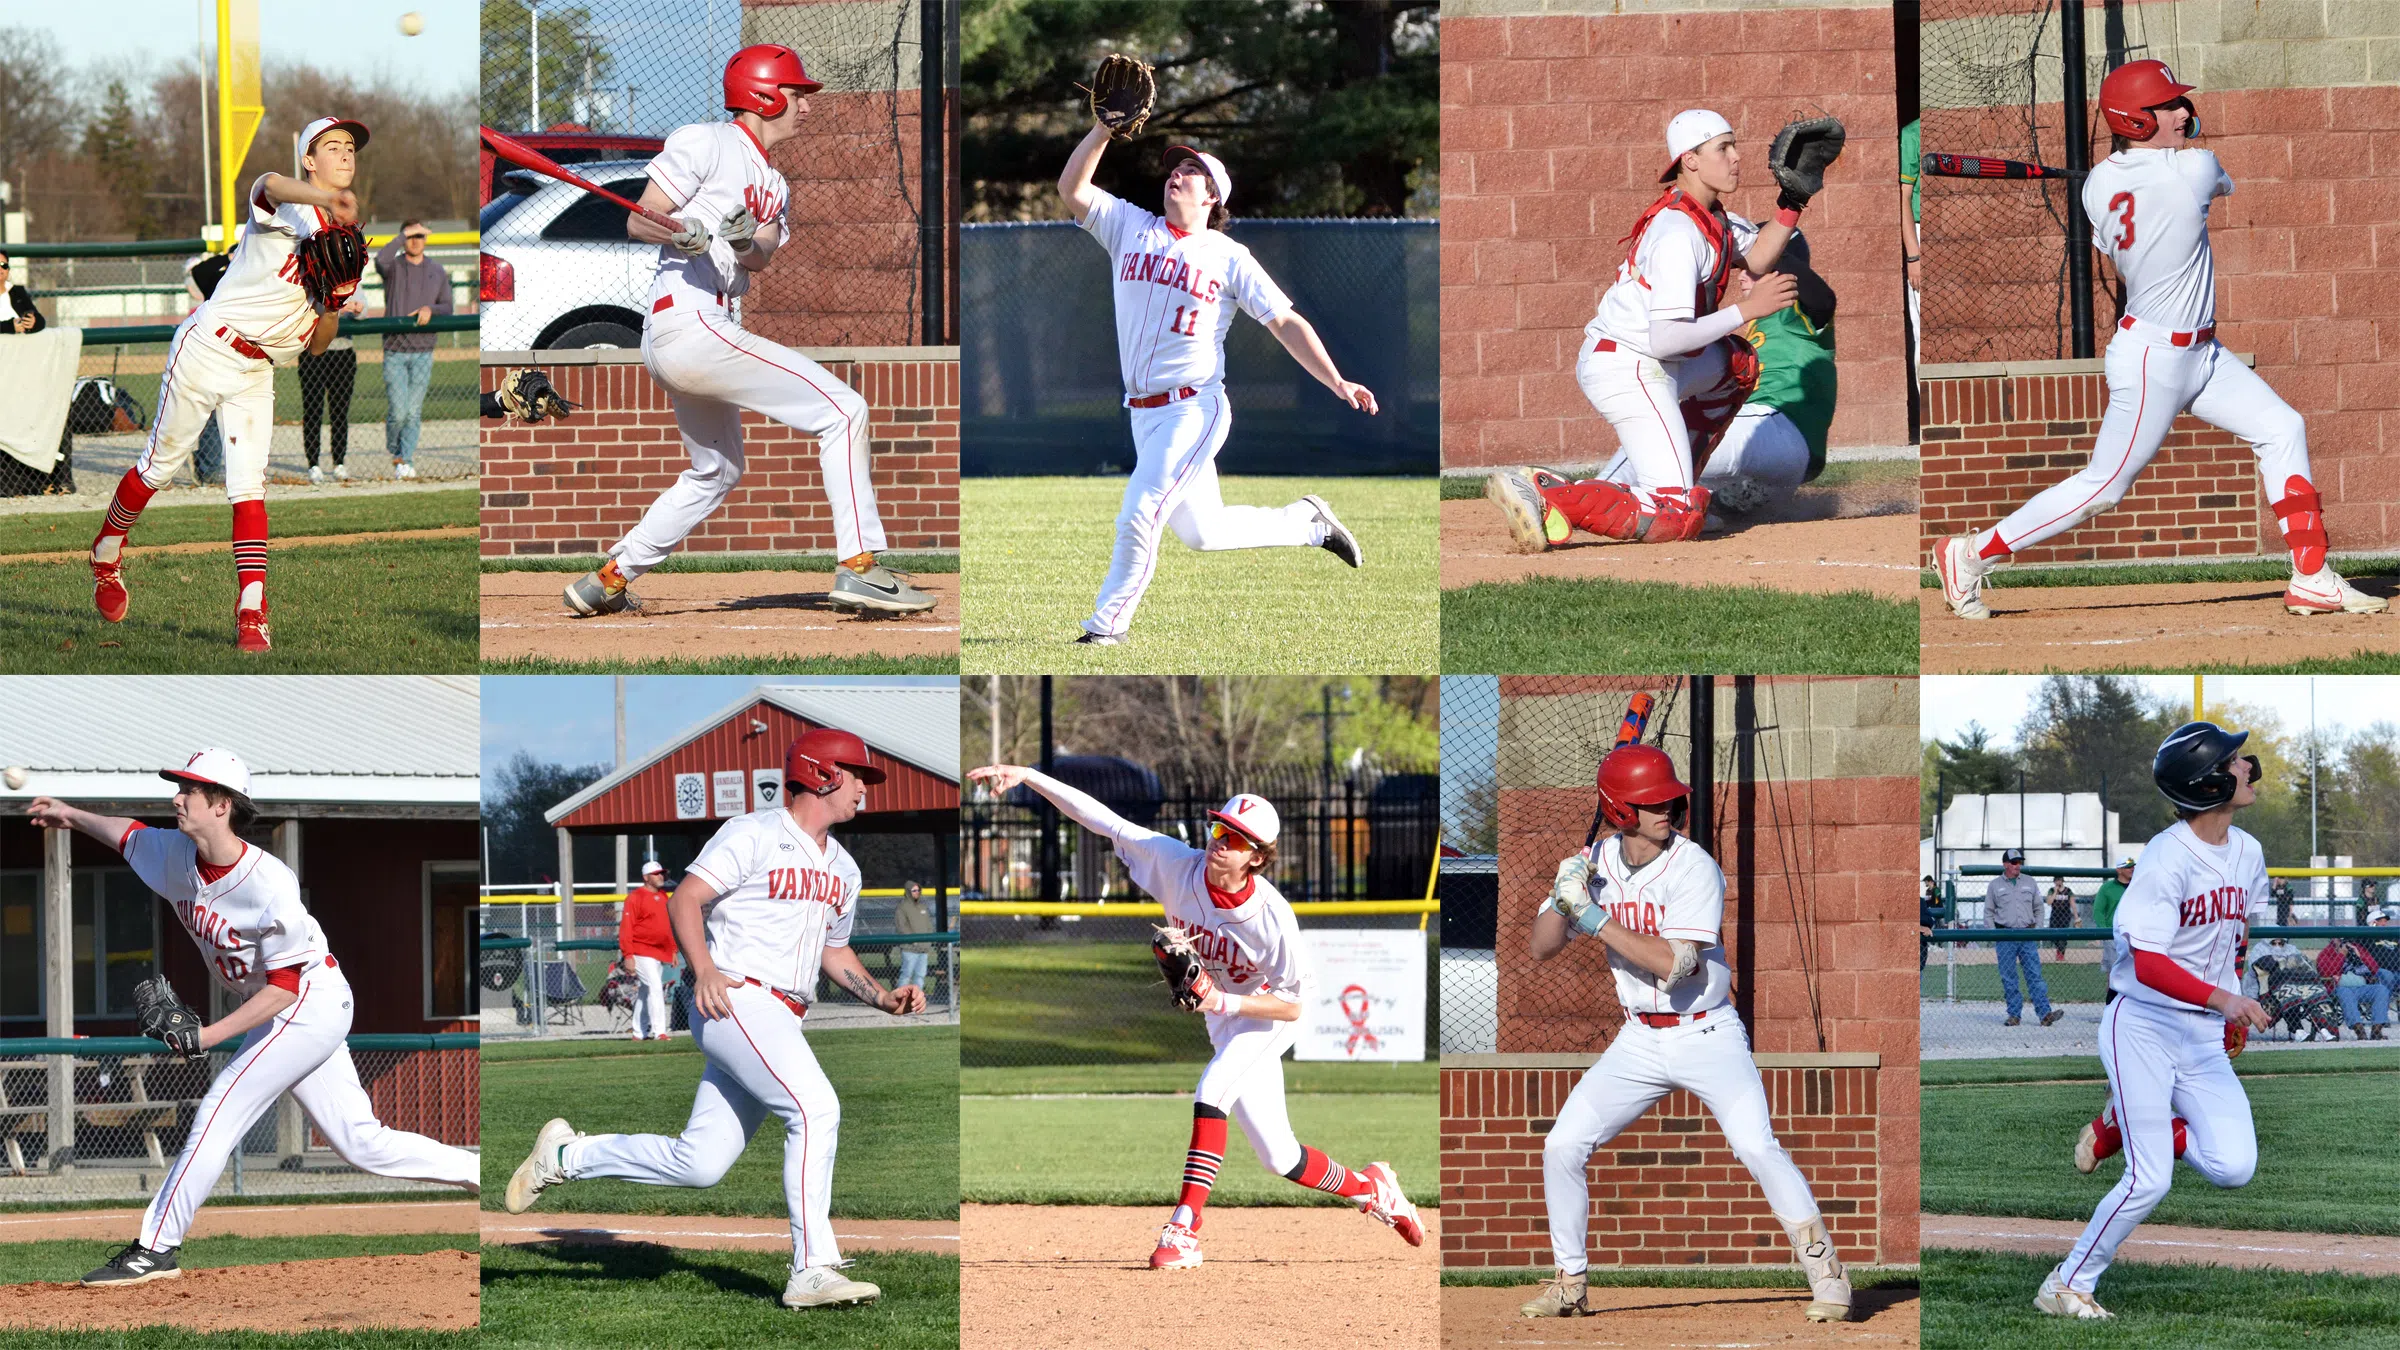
pixel 1182 327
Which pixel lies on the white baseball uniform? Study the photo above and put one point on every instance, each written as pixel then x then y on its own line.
pixel 2191 901
pixel 1171 288
pixel 223 356
pixel 248 921
pixel 1678 895
pixel 2149 212
pixel 782 899
pixel 712 368
pixel 1667 277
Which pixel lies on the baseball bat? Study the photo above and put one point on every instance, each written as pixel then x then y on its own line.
pixel 517 152
pixel 1984 166
pixel 1629 732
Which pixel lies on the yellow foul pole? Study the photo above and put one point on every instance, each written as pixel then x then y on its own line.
pixel 239 105
pixel 2196 681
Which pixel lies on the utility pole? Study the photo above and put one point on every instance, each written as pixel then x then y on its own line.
pixel 1325 888
pixel 623 839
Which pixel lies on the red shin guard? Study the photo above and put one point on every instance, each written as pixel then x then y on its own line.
pixel 1595 506
pixel 2302 515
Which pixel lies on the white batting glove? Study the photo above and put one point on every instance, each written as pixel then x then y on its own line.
pixel 738 227
pixel 1571 896
pixel 693 241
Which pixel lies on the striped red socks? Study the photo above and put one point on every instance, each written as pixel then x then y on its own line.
pixel 125 508
pixel 1319 1172
pixel 250 554
pixel 1201 1164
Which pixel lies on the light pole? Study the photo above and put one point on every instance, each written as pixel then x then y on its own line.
pixel 533 106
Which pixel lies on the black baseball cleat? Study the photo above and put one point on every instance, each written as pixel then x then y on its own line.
pixel 1338 540
pixel 135 1264
pixel 1098 640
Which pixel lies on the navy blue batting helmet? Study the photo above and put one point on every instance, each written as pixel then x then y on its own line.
pixel 2194 765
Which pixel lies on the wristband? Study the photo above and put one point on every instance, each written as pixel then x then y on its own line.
pixel 1787 217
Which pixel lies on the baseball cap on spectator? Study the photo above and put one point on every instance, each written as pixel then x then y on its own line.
pixel 2125 864
pixel 653 866
pixel 2015 855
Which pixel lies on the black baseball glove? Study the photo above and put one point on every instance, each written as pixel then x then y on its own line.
pixel 529 397
pixel 1800 155
pixel 1187 980
pixel 1122 92
pixel 163 1017
pixel 330 262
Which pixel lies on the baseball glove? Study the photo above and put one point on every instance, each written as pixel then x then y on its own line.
pixel 1800 155
pixel 330 261
pixel 2237 1036
pixel 1187 980
pixel 529 397
pixel 164 1018
pixel 1122 93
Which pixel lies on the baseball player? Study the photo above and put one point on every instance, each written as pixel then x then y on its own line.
pixel 269 307
pixel 1656 900
pixel 241 906
pixel 646 942
pixel 2177 1007
pixel 1177 280
pixel 780 894
pixel 2149 205
pixel 1221 909
pixel 714 177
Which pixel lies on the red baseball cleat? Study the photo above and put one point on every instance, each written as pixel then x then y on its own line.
pixel 250 631
pixel 1178 1249
pixel 108 591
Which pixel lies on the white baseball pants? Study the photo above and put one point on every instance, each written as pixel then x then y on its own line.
pixel 1245 1081
pixel 300 1051
pixel 1710 1059
pixel 758 1063
pixel 2161 1064
pixel 1641 397
pixel 650 1003
pixel 1762 445
pixel 2149 383
pixel 205 376
pixel 713 370
pixel 1174 485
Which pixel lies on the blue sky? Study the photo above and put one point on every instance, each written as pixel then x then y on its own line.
pixel 2344 703
pixel 571 719
pixel 358 36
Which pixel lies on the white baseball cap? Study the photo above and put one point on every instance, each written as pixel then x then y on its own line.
pixel 1252 816
pixel 1209 164
pixel 1691 129
pixel 310 133
pixel 219 768
pixel 653 866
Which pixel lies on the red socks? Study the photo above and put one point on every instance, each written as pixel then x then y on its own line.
pixel 1200 1165
pixel 250 553
pixel 1992 548
pixel 1322 1173
pixel 125 508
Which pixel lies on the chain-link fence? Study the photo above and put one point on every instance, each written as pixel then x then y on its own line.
pixel 614 78
pixel 101 1118
pixel 1042 393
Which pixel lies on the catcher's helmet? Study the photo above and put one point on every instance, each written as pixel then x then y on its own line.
pixel 1636 775
pixel 755 77
pixel 2131 91
pixel 814 762
pixel 2193 765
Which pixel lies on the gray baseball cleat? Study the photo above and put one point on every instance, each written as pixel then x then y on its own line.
pixel 543 1168
pixel 1738 493
pixel 1521 503
pixel 1563 1296
pixel 1338 540
pixel 137 1264
pixel 588 595
pixel 878 588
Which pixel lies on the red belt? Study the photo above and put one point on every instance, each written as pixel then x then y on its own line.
pixel 1162 400
pixel 666 302
pixel 1604 345
pixel 1670 1019
pixel 242 344
pixel 2177 339
pixel 799 1009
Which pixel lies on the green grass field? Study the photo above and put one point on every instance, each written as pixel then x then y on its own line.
pixel 1977 1299
pixel 1122 1143
pixel 2005 1145
pixel 899 1092
pixel 2068 982
pixel 380 607
pixel 1553 625
pixel 1037 549
pixel 175 1338
pixel 641 1295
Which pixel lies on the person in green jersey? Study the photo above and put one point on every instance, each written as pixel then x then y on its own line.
pixel 1912 235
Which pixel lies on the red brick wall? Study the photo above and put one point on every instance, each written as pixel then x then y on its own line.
pixel 1666 1192
pixel 852 275
pixel 1553 133
pixel 576 487
pixel 1990 441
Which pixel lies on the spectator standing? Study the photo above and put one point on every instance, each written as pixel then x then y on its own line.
pixel 2366 900
pixel 2104 905
pixel 1929 917
pixel 415 287
pixel 2062 911
pixel 646 942
pixel 2282 893
pixel 2351 970
pixel 22 316
pixel 2012 901
pixel 914 917
pixel 326 381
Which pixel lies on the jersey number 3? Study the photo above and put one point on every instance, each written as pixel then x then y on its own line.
pixel 2121 206
pixel 1183 327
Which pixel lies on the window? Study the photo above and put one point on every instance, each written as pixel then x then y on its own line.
pixel 450 933
pixel 115 942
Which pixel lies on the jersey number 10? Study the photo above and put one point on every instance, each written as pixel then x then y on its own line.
pixel 1183 327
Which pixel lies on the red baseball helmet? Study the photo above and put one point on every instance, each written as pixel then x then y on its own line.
pixel 2131 91
pixel 1636 775
pixel 755 77
pixel 814 762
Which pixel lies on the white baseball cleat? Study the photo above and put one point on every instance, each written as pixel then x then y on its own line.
pixel 2327 593
pixel 1387 1204
pixel 543 1168
pixel 1338 540
pixel 1828 1282
pixel 1739 493
pixel 1962 576
pixel 1178 1249
pixel 1528 513
pixel 825 1287
pixel 1562 1296
pixel 2059 1301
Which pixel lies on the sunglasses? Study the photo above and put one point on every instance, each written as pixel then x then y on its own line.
pixel 1234 840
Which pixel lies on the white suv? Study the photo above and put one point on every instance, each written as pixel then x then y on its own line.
pixel 557 268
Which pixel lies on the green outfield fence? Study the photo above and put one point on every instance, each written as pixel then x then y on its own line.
pixel 133 1104
pixel 1041 391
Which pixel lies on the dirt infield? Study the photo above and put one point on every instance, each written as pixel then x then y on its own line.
pixel 2168 627
pixel 699 615
pixel 226 546
pixel 1662 1318
pixel 1039 1275
pixel 120 1225
pixel 2166 1243
pixel 436 1291
pixel 1875 553
pixel 712 1231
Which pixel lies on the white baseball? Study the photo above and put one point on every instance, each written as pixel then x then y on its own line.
pixel 13 776
pixel 412 23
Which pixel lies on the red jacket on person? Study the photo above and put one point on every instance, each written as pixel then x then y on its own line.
pixel 2331 960
pixel 643 931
